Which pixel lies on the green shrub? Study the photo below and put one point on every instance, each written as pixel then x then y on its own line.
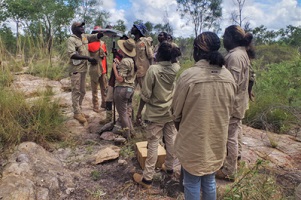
pixel 39 121
pixel 278 97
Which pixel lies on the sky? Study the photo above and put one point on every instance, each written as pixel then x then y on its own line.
pixel 274 14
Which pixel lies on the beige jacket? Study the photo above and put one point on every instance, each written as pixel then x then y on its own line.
pixel 238 63
pixel 76 45
pixel 144 56
pixel 202 103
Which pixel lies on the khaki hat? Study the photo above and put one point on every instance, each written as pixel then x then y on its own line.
pixel 128 47
pixel 77 24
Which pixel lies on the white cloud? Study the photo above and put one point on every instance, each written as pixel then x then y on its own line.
pixel 273 14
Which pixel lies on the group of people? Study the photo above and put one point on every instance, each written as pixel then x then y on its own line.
pixel 198 114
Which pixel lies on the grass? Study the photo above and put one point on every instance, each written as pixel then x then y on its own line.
pixel 252 183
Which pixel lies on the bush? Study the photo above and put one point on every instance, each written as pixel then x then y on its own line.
pixel 40 121
pixel 278 97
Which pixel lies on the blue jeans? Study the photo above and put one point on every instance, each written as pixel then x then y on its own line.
pixel 194 184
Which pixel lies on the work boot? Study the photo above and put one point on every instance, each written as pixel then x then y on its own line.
pixel 167 171
pixel 96 109
pixel 108 117
pixel 79 117
pixel 220 175
pixel 103 104
pixel 138 178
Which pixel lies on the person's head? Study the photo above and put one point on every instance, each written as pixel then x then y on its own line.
pixel 162 36
pixel 206 46
pixel 96 29
pixel 169 38
pixel 139 29
pixel 128 47
pixel 124 37
pixel 166 52
pixel 78 28
pixel 235 36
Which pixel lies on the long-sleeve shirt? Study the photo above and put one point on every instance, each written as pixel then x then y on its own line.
pixel 202 104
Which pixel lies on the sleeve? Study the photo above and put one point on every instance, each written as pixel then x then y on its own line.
pixel 179 98
pixel 147 86
pixel 234 66
pixel 71 50
pixel 149 50
pixel 124 68
pixel 92 37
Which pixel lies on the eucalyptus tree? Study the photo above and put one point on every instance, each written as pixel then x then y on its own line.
pixel 201 13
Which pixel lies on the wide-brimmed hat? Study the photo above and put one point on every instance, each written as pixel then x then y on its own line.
pixel 77 24
pixel 142 28
pixel 128 47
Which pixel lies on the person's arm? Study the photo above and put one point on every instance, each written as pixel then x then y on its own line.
pixel 117 76
pixel 71 49
pixel 140 108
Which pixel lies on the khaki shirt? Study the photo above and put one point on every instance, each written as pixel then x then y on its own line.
pixel 157 91
pixel 95 71
pixel 238 63
pixel 126 69
pixel 202 103
pixel 144 56
pixel 76 45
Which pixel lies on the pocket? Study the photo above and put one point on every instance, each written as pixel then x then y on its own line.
pixel 129 93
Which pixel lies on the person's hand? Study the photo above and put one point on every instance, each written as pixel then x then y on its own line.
pixel 93 61
pixel 99 35
pixel 116 61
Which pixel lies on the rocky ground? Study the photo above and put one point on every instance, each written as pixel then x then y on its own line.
pixel 74 170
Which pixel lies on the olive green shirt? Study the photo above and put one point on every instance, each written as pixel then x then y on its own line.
pixel 126 70
pixel 157 91
pixel 76 45
pixel 202 104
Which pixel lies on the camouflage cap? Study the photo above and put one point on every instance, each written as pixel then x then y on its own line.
pixel 77 24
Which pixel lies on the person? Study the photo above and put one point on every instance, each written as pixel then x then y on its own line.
pixel 77 49
pixel 236 42
pixel 162 36
pixel 144 56
pixel 125 75
pixel 98 72
pixel 202 104
pixel 110 92
pixel 157 93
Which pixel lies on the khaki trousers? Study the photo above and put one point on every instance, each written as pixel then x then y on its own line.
pixel 78 90
pixel 123 102
pixel 103 84
pixel 230 163
pixel 155 131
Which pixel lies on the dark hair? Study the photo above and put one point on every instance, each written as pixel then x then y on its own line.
pixel 164 33
pixel 206 46
pixel 239 38
pixel 167 51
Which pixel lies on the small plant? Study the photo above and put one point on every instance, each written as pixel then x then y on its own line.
pixel 127 151
pixel 252 183
pixel 95 175
pixel 96 194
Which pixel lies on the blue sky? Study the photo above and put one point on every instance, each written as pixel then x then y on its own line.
pixel 273 14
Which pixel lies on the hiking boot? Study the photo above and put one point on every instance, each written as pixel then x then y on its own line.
pixel 96 109
pixel 138 178
pixel 108 117
pixel 79 117
pixel 167 171
pixel 220 175
pixel 103 104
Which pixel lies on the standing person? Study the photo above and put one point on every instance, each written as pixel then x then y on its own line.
pixel 125 75
pixel 202 105
pixel 110 92
pixel 162 36
pixel 236 42
pixel 98 72
pixel 77 48
pixel 157 93
pixel 144 56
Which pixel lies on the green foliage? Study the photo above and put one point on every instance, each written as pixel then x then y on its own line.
pixel 252 183
pixel 95 175
pixel 40 121
pixel 278 97
pixel 127 151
